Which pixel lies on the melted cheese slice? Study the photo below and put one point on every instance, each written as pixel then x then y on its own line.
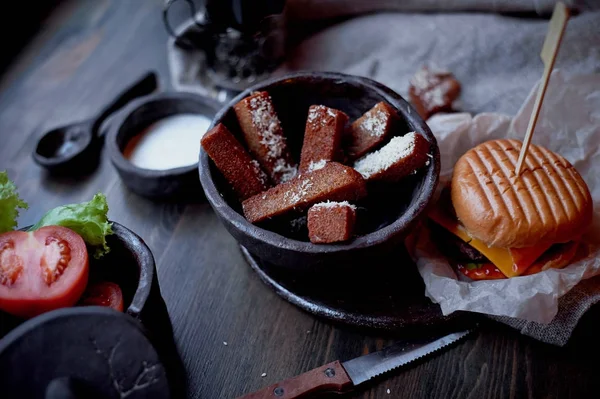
pixel 510 261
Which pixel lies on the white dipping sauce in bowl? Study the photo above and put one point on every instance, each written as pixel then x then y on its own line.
pixel 171 142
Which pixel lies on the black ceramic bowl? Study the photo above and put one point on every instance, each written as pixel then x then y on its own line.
pixel 177 183
pixel 392 215
pixel 130 264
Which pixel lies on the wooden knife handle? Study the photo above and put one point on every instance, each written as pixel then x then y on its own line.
pixel 328 378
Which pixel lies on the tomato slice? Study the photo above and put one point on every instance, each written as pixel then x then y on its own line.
pixel 481 271
pixel 557 257
pixel 525 257
pixel 41 270
pixel 103 294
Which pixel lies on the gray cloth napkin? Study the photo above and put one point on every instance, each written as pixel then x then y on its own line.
pixel 322 9
pixel 571 308
pixel 496 58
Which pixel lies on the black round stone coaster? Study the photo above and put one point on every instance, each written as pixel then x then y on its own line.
pixel 387 294
pixel 81 352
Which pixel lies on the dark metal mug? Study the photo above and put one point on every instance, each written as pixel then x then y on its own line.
pixel 243 40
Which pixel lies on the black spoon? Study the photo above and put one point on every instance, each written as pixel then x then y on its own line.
pixel 75 148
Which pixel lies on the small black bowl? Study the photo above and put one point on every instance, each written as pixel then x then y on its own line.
pixel 130 264
pixel 392 215
pixel 138 281
pixel 177 183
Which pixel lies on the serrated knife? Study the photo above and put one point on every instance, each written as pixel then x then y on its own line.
pixel 342 377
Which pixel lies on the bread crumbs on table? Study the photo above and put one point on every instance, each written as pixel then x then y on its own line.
pixel 263 375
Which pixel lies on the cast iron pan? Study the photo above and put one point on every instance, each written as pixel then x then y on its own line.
pixel 82 352
pixel 131 265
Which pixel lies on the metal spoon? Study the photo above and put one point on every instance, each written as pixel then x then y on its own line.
pixel 75 148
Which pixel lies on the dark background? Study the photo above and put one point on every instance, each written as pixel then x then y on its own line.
pixel 19 22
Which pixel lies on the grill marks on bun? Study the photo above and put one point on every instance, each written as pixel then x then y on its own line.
pixel 548 203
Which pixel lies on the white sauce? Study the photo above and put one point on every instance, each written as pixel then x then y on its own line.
pixel 169 143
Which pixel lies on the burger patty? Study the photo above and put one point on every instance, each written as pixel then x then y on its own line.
pixel 454 248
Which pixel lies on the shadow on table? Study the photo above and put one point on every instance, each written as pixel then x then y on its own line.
pixel 160 331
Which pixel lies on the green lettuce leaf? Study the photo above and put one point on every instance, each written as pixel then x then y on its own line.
pixel 473 266
pixel 88 219
pixel 9 204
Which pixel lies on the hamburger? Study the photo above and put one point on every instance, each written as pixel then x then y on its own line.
pixel 492 224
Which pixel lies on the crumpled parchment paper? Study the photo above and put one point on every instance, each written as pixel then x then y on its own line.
pixel 569 124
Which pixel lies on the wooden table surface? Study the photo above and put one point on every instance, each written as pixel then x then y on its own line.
pixel 84 54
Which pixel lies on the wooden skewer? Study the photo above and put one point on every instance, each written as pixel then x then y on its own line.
pixel 556 29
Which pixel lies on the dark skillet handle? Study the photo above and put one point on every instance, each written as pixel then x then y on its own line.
pixel 328 378
pixel 144 86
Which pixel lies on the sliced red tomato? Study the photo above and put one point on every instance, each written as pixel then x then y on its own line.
pixel 481 271
pixel 525 257
pixel 41 270
pixel 104 294
pixel 557 257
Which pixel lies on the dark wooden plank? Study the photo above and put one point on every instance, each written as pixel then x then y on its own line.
pixel 84 55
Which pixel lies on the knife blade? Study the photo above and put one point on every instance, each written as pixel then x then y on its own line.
pixel 343 376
